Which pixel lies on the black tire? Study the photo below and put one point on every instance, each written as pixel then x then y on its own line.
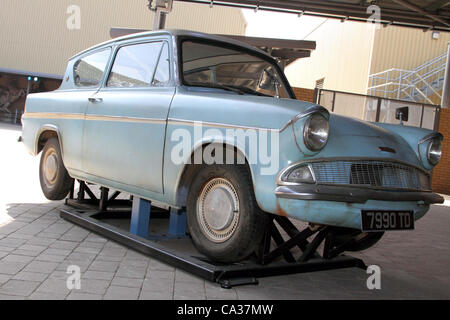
pixel 244 233
pixel 53 176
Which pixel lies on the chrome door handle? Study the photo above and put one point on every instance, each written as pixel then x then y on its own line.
pixel 95 100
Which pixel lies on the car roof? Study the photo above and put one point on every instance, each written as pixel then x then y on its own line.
pixel 174 33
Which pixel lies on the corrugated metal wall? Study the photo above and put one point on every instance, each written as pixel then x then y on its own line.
pixel 34 34
pixel 342 57
pixel 405 48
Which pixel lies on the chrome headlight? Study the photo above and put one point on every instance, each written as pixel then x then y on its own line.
pixel 434 152
pixel 315 132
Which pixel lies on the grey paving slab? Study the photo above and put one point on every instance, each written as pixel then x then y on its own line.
pixel 19 287
pixel 31 276
pixel 37 295
pixel 94 286
pixel 11 297
pixel 154 295
pixel 67 246
pixel 54 286
pixel 99 265
pixel 41 266
pixel 99 275
pixel 83 296
pixel 127 282
pixel 11 268
pixel 4 278
pixel 57 251
pixel 17 258
pixel 189 291
pixel 122 293
pixel 49 258
pixel 129 271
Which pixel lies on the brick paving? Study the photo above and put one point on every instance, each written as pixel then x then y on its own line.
pixel 37 247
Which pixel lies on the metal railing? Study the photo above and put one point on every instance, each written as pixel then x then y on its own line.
pixel 378 109
pixel 416 85
pixel 14 118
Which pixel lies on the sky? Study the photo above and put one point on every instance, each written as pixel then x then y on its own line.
pixel 280 25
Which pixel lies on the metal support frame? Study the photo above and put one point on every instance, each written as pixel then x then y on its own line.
pixel 161 9
pixel 269 260
pixel 141 210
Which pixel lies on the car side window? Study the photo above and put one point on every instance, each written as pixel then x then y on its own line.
pixel 88 71
pixel 162 73
pixel 134 65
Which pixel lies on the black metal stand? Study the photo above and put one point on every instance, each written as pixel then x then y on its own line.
pixel 179 252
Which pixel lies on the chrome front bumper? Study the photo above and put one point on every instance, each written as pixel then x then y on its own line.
pixel 352 194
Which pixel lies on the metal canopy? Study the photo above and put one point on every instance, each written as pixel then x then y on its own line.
pixel 424 14
pixel 286 51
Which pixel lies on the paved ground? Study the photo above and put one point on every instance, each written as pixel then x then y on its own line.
pixel 36 247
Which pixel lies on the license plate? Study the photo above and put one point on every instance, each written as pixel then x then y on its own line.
pixel 380 220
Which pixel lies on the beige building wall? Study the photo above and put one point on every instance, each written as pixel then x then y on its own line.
pixel 405 48
pixel 342 57
pixel 34 34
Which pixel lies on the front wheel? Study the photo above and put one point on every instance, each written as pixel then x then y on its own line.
pixel 54 178
pixel 224 220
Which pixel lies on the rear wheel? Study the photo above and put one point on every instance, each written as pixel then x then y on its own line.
pixel 54 178
pixel 224 220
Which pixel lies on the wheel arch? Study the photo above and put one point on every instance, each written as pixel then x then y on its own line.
pixel 190 169
pixel 44 134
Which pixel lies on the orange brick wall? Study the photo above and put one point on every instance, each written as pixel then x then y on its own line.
pixel 304 94
pixel 441 173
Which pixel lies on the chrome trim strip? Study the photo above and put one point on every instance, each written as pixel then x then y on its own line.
pixel 353 195
pixel 81 116
pixel 215 124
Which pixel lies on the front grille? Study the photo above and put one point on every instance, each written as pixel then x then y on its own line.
pixel 375 174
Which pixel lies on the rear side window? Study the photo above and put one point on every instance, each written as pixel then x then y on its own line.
pixel 134 66
pixel 88 71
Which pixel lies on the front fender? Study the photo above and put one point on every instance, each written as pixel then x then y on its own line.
pixel 416 138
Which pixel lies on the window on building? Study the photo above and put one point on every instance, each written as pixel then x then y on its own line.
pixel 88 71
pixel 319 83
pixel 135 65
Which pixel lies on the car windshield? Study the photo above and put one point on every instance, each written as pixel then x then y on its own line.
pixel 214 66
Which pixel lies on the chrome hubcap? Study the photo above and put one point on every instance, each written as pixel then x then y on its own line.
pixel 218 209
pixel 51 167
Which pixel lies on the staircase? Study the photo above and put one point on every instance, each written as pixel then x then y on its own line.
pixel 422 84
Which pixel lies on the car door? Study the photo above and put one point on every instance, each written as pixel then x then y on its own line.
pixel 126 119
pixel 86 74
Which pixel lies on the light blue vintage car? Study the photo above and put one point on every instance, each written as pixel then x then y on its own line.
pixel 212 125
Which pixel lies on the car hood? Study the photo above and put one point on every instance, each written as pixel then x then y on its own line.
pixel 349 137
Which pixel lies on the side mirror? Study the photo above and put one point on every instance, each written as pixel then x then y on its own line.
pixel 266 80
pixel 402 114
